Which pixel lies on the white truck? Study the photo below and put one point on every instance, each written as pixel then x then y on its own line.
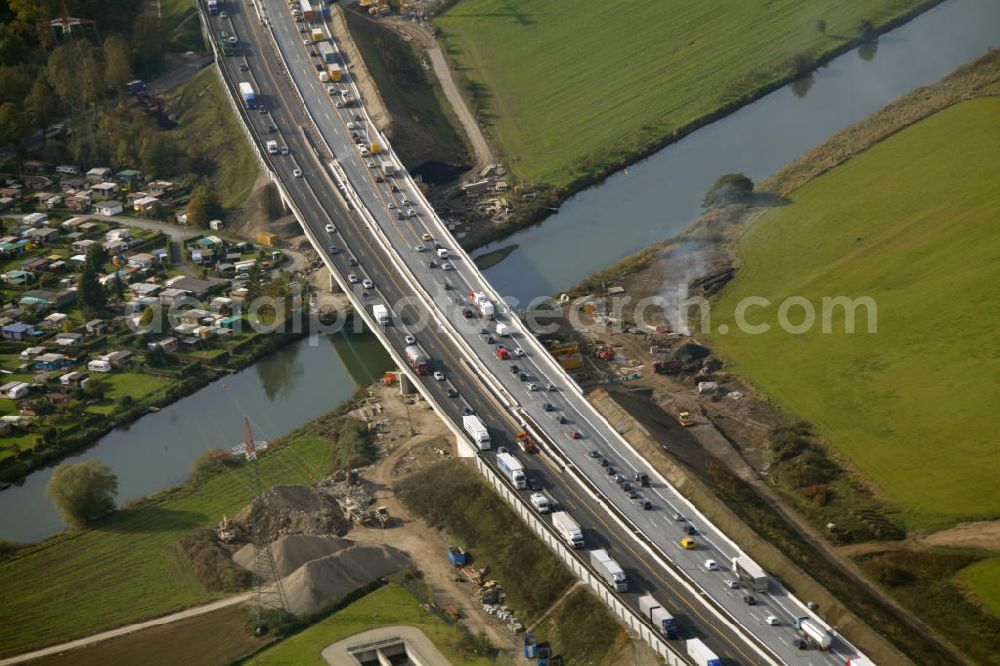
pixel 540 502
pixel 513 469
pixel 609 569
pixel 388 167
pixel 700 654
pixel 503 330
pixel 272 147
pixel 477 431
pixel 568 528
pixel 654 611
pixel 815 633
pixel 483 304
pixel 750 572
pixel 381 314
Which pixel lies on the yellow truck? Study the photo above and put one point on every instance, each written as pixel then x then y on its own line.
pixel 336 74
pixel 687 543
pixel 317 35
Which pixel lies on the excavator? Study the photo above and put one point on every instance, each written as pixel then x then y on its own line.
pixel 684 418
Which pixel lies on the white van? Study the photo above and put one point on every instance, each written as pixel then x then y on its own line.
pixel 272 147
pixel 324 77
pixel 443 253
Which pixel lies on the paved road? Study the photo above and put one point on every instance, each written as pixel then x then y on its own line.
pixel 315 195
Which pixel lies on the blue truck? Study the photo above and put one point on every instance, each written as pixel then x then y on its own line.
pixel 661 618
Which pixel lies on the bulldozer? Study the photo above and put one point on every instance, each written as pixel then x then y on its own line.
pixel 684 418
pixel 382 516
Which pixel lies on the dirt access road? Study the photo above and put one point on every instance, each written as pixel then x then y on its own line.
pixel 425 40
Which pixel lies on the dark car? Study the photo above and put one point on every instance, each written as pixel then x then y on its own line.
pixel 319 66
pixel 352 262
pixel 395 188
pixel 262 109
pixel 467 313
pixel 611 471
pixel 641 478
pixel 432 264
pixel 467 411
pixel 334 249
pixel 272 128
pixel 749 600
pixel 642 502
pixel 690 530
pixel 594 453
pixel 523 376
pixel 562 419
pixel 548 407
pixel 452 393
pixel 800 644
pixel 244 67
pixel 534 483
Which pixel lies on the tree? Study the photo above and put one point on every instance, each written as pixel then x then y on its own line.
pixel 157 155
pixel 92 295
pixel 117 64
pixel 97 256
pixel 204 205
pixel 729 188
pixel 13 124
pixel 119 286
pixel 83 492
pixel 38 105
pixel 866 31
pixel 821 25
pixel 147 39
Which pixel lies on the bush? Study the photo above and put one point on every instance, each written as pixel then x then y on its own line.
pixel 354 446
pixel 83 492
pixel 730 188
pixel 210 463
pixel 213 565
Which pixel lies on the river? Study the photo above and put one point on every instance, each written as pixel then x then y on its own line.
pixel 279 393
pixel 661 195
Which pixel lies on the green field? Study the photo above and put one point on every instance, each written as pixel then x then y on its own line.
pixel 983 580
pixel 181 26
pixel 389 605
pixel 129 567
pixel 570 88
pixel 210 133
pixel 912 223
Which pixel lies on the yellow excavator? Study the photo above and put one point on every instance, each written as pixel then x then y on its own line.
pixel 684 418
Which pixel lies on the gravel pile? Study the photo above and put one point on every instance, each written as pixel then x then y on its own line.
pixel 331 577
pixel 292 551
pixel 295 510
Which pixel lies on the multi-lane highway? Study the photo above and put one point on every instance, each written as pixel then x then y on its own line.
pixel 389 201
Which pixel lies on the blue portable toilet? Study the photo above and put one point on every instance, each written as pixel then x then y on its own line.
pixel 530 646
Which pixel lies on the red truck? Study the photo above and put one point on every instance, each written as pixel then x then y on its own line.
pixel 417 359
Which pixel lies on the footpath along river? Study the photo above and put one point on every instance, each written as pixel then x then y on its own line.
pixel 278 393
pixel 660 196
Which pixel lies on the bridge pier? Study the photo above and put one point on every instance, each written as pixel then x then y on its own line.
pixel 334 285
pixel 405 384
pixel 463 448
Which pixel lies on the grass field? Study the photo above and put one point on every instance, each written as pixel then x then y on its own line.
pixel 213 639
pixel 389 605
pixel 568 88
pixel 209 132
pixel 129 567
pixel 181 26
pixel 912 224
pixel 983 580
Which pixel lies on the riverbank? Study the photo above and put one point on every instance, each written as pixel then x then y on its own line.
pixel 810 483
pixel 129 566
pixel 779 59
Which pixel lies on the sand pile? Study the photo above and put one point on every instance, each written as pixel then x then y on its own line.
pixel 292 551
pixel 336 575
pixel 295 510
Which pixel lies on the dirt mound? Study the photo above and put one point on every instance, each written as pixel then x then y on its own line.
pixel 296 510
pixel 333 576
pixel 292 551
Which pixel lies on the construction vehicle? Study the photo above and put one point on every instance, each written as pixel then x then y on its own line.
pixel 667 367
pixel 525 443
pixel 684 418
pixel 382 516
pixel 604 352
pixel 457 556
pixel 389 378
pixel 354 512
